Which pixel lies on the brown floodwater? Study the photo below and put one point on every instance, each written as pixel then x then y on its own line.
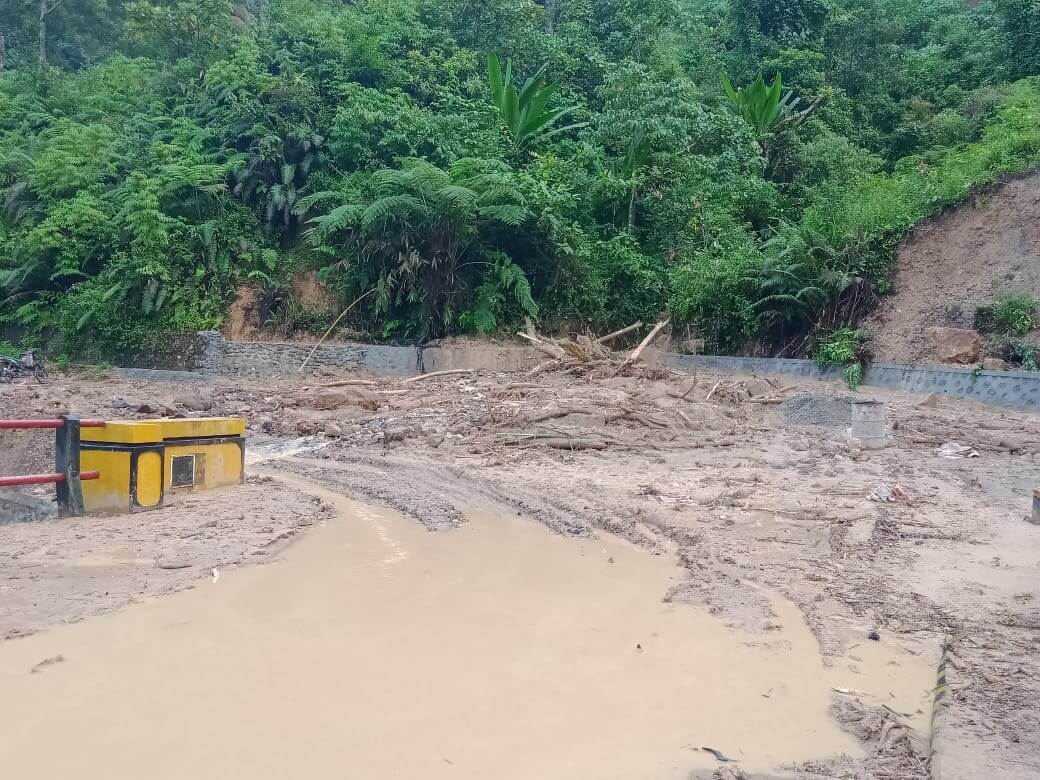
pixel 376 649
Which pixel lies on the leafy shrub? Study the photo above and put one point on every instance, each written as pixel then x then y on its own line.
pixel 1025 353
pixel 843 347
pixel 949 128
pixel 7 349
pixel 607 284
pixel 1014 315
pixel 710 293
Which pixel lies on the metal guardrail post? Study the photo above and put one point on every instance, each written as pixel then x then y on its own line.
pixel 66 463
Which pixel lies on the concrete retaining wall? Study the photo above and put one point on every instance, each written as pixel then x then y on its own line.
pixel 1015 389
pixel 215 355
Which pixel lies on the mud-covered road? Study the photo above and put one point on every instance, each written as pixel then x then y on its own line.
pixel 753 487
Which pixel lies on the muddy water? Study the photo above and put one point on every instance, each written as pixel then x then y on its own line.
pixel 376 649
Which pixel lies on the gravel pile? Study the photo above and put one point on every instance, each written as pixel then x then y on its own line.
pixel 826 409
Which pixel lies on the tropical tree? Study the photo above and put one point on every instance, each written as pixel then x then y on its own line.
pixel 420 236
pixel 525 112
pixel 627 167
pixel 1021 22
pixel 273 173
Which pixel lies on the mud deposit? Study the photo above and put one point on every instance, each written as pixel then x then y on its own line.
pixel 57 571
pixel 752 486
pixel 378 649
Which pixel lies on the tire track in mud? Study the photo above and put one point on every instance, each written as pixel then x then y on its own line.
pixel 438 496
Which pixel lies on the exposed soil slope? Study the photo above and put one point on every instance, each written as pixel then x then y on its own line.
pixel 961 259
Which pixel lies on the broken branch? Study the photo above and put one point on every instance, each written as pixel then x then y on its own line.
pixel 335 322
pixel 549 349
pixel 632 358
pixel 560 411
pixel 348 382
pixel 712 391
pixel 421 377
pixel 616 333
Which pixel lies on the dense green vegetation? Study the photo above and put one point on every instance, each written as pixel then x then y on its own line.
pixel 745 165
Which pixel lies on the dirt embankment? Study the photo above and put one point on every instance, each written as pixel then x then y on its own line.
pixel 965 258
pixel 755 486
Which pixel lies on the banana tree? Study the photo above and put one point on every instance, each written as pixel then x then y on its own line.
pixel 525 111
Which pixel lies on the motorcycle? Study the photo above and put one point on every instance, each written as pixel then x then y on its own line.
pixel 28 363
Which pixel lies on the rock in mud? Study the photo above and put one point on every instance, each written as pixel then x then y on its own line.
pixel 729 773
pixel 954 345
pixel 195 403
pixel 348 413
pixel 328 400
pixel 930 401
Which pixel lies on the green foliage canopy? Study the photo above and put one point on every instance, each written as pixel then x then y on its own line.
pixel 158 155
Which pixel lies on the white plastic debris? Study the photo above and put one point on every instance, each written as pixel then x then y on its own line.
pixel 953 450
pixel 885 492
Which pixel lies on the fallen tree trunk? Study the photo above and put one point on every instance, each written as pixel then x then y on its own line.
pixel 616 333
pixel 560 411
pixel 446 372
pixel 632 358
pixel 561 443
pixel 349 382
pixel 549 349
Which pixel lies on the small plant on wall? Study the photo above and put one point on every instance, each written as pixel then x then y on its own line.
pixel 844 348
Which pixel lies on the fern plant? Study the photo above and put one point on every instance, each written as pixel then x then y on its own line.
pixel 504 287
pixel 272 175
pixel 417 234
pixel 785 291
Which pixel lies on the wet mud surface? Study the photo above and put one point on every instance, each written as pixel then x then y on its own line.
pixel 758 498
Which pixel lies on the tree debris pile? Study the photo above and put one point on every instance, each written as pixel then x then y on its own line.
pixel 585 356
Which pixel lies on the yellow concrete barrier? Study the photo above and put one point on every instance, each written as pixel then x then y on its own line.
pixel 141 461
